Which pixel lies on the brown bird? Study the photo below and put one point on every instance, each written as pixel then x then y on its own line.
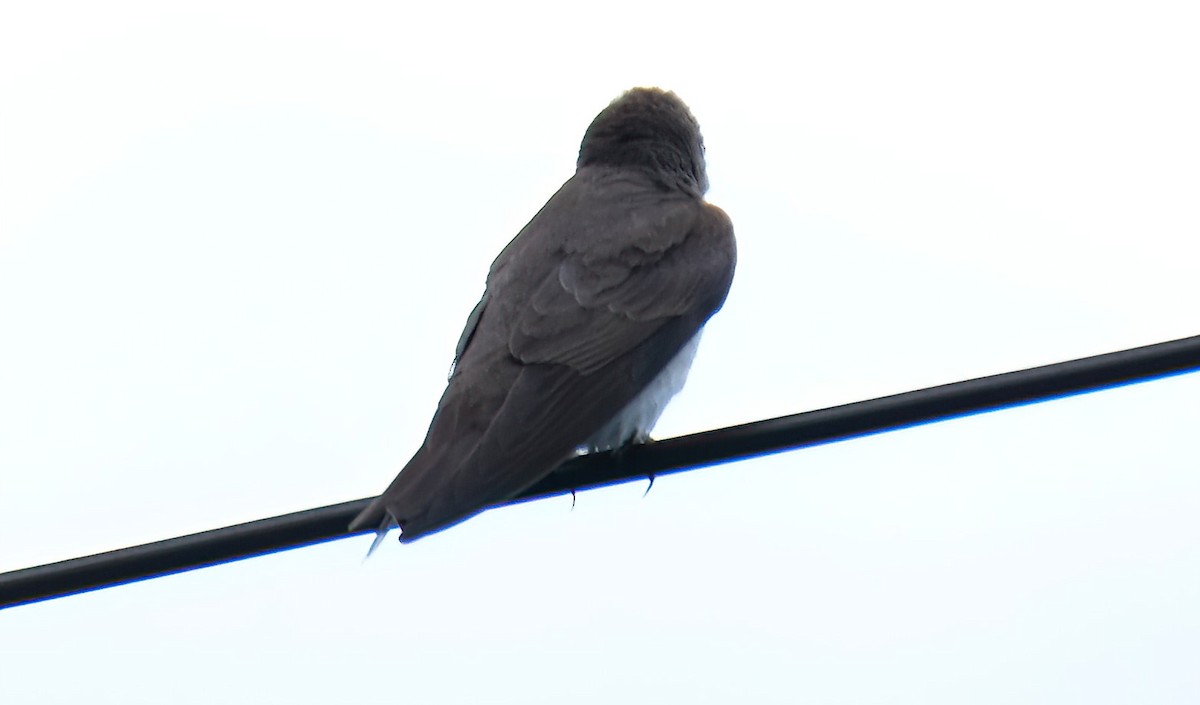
pixel 588 324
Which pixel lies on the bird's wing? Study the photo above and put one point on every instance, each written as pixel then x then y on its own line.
pixel 588 335
pixel 623 272
pixel 468 332
pixel 583 309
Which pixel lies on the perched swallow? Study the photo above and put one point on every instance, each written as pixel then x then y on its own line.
pixel 588 324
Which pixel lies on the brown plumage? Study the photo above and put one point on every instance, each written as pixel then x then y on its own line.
pixel 587 324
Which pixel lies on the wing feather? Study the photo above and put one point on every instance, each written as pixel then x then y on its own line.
pixel 669 255
pixel 583 309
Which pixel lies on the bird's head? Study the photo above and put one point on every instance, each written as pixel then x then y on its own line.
pixel 650 129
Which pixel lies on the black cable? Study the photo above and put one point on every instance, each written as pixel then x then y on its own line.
pixel 591 471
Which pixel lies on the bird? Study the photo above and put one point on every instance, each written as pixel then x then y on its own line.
pixel 588 324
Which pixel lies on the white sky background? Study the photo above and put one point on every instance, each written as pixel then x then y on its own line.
pixel 238 243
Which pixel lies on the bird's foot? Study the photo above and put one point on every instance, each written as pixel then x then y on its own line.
pixel 619 453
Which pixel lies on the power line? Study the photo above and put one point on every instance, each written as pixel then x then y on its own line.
pixel 590 471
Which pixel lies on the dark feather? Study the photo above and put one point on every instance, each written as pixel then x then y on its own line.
pixel 589 302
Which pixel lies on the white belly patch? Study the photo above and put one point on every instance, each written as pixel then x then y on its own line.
pixel 634 422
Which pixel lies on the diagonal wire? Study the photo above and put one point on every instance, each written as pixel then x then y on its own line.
pixel 654 459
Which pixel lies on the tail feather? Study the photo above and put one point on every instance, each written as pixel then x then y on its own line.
pixel 381 533
pixel 370 516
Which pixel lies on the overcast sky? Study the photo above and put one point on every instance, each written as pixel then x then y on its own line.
pixel 238 243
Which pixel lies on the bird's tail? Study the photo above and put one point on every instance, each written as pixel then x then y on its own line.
pixel 378 515
pixel 381 533
pixel 369 517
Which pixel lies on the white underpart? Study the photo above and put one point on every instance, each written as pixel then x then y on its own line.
pixel 633 423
